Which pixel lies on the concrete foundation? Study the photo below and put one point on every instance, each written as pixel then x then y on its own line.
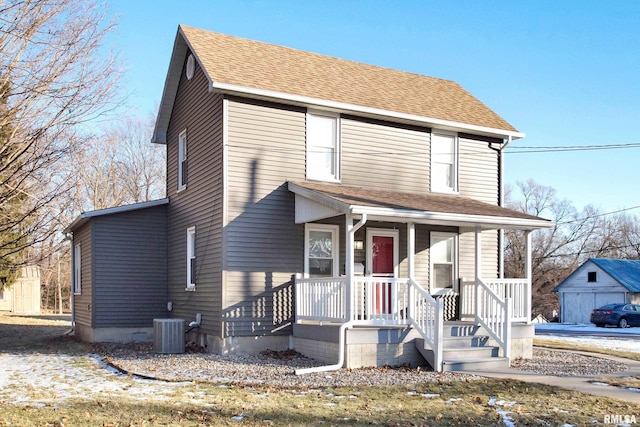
pixel 88 334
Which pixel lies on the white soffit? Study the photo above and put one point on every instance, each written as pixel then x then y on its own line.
pixel 308 211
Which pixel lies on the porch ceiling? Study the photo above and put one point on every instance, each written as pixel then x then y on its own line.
pixel 321 200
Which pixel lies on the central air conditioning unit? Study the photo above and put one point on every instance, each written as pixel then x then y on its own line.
pixel 168 336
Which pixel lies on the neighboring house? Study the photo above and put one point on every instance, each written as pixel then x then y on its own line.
pixel 23 296
pixel 321 204
pixel 597 282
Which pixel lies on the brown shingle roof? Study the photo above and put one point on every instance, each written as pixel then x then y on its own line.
pixel 251 64
pixel 427 202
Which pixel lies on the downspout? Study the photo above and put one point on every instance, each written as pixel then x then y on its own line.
pixel 342 332
pixel 500 152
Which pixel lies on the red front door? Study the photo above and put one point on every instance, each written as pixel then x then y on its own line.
pixel 382 256
pixel 382 265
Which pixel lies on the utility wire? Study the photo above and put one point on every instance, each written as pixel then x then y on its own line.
pixel 552 149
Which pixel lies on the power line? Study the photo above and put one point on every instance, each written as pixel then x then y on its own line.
pixel 552 149
pixel 602 214
pixel 591 251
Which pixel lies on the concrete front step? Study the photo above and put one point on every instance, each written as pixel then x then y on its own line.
pixel 466 341
pixel 449 365
pixel 464 350
pixel 469 352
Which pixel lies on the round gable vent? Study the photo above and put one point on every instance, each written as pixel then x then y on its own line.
pixel 191 66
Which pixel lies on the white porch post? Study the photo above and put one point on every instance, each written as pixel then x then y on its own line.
pixel 350 230
pixel 528 274
pixel 348 268
pixel 411 249
pixel 478 270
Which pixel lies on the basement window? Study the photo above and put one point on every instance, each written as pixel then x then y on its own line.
pixel 592 276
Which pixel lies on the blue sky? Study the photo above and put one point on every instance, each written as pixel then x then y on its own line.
pixel 566 73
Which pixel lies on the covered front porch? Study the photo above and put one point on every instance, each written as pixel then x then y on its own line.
pixel 398 308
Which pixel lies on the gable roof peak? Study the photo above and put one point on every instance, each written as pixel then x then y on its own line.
pixel 268 71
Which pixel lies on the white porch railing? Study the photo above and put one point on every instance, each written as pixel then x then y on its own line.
pixel 494 314
pixel 376 301
pixel 427 316
pixel 380 301
pixel 323 300
pixel 517 290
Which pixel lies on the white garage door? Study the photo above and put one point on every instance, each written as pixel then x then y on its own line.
pixel 577 306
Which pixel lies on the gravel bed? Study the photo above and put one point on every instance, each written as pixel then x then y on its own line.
pixel 277 368
pixel 268 368
pixel 567 363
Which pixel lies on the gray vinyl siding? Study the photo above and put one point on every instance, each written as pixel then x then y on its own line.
pixel 467 248
pixel 478 179
pixel 83 303
pixel 384 156
pixel 263 245
pixel 199 205
pixel 130 268
pixel 478 171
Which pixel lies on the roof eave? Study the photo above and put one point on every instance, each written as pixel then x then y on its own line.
pixel 366 111
pixel 86 216
pixel 452 219
pixel 439 218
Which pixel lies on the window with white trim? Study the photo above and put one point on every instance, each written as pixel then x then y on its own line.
pixel 444 162
pixel 321 250
pixel 323 147
pixel 77 269
pixel 191 259
pixel 443 260
pixel 182 160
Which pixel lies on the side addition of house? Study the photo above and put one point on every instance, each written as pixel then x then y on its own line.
pixel 349 211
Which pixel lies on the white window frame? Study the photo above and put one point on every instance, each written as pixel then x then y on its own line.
pixel 182 160
pixel 191 257
pixel 439 235
pixel 314 174
pixel 77 269
pixel 437 182
pixel 335 246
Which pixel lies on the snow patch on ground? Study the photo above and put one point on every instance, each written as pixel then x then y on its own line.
pixel 627 341
pixel 47 379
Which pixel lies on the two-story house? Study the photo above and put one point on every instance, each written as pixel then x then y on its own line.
pixel 349 211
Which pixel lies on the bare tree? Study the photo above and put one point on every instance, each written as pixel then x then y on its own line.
pixel 55 79
pixel 556 252
pixel 118 167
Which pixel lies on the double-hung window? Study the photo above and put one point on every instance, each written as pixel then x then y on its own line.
pixel 444 162
pixel 191 259
pixel 321 250
pixel 182 160
pixel 443 255
pixel 323 147
pixel 77 269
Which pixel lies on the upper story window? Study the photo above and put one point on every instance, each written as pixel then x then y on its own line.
pixel 592 276
pixel 323 147
pixel 182 160
pixel 444 162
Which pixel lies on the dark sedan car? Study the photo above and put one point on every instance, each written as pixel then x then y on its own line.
pixel 620 315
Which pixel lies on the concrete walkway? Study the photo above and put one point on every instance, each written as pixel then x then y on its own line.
pixel 584 384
